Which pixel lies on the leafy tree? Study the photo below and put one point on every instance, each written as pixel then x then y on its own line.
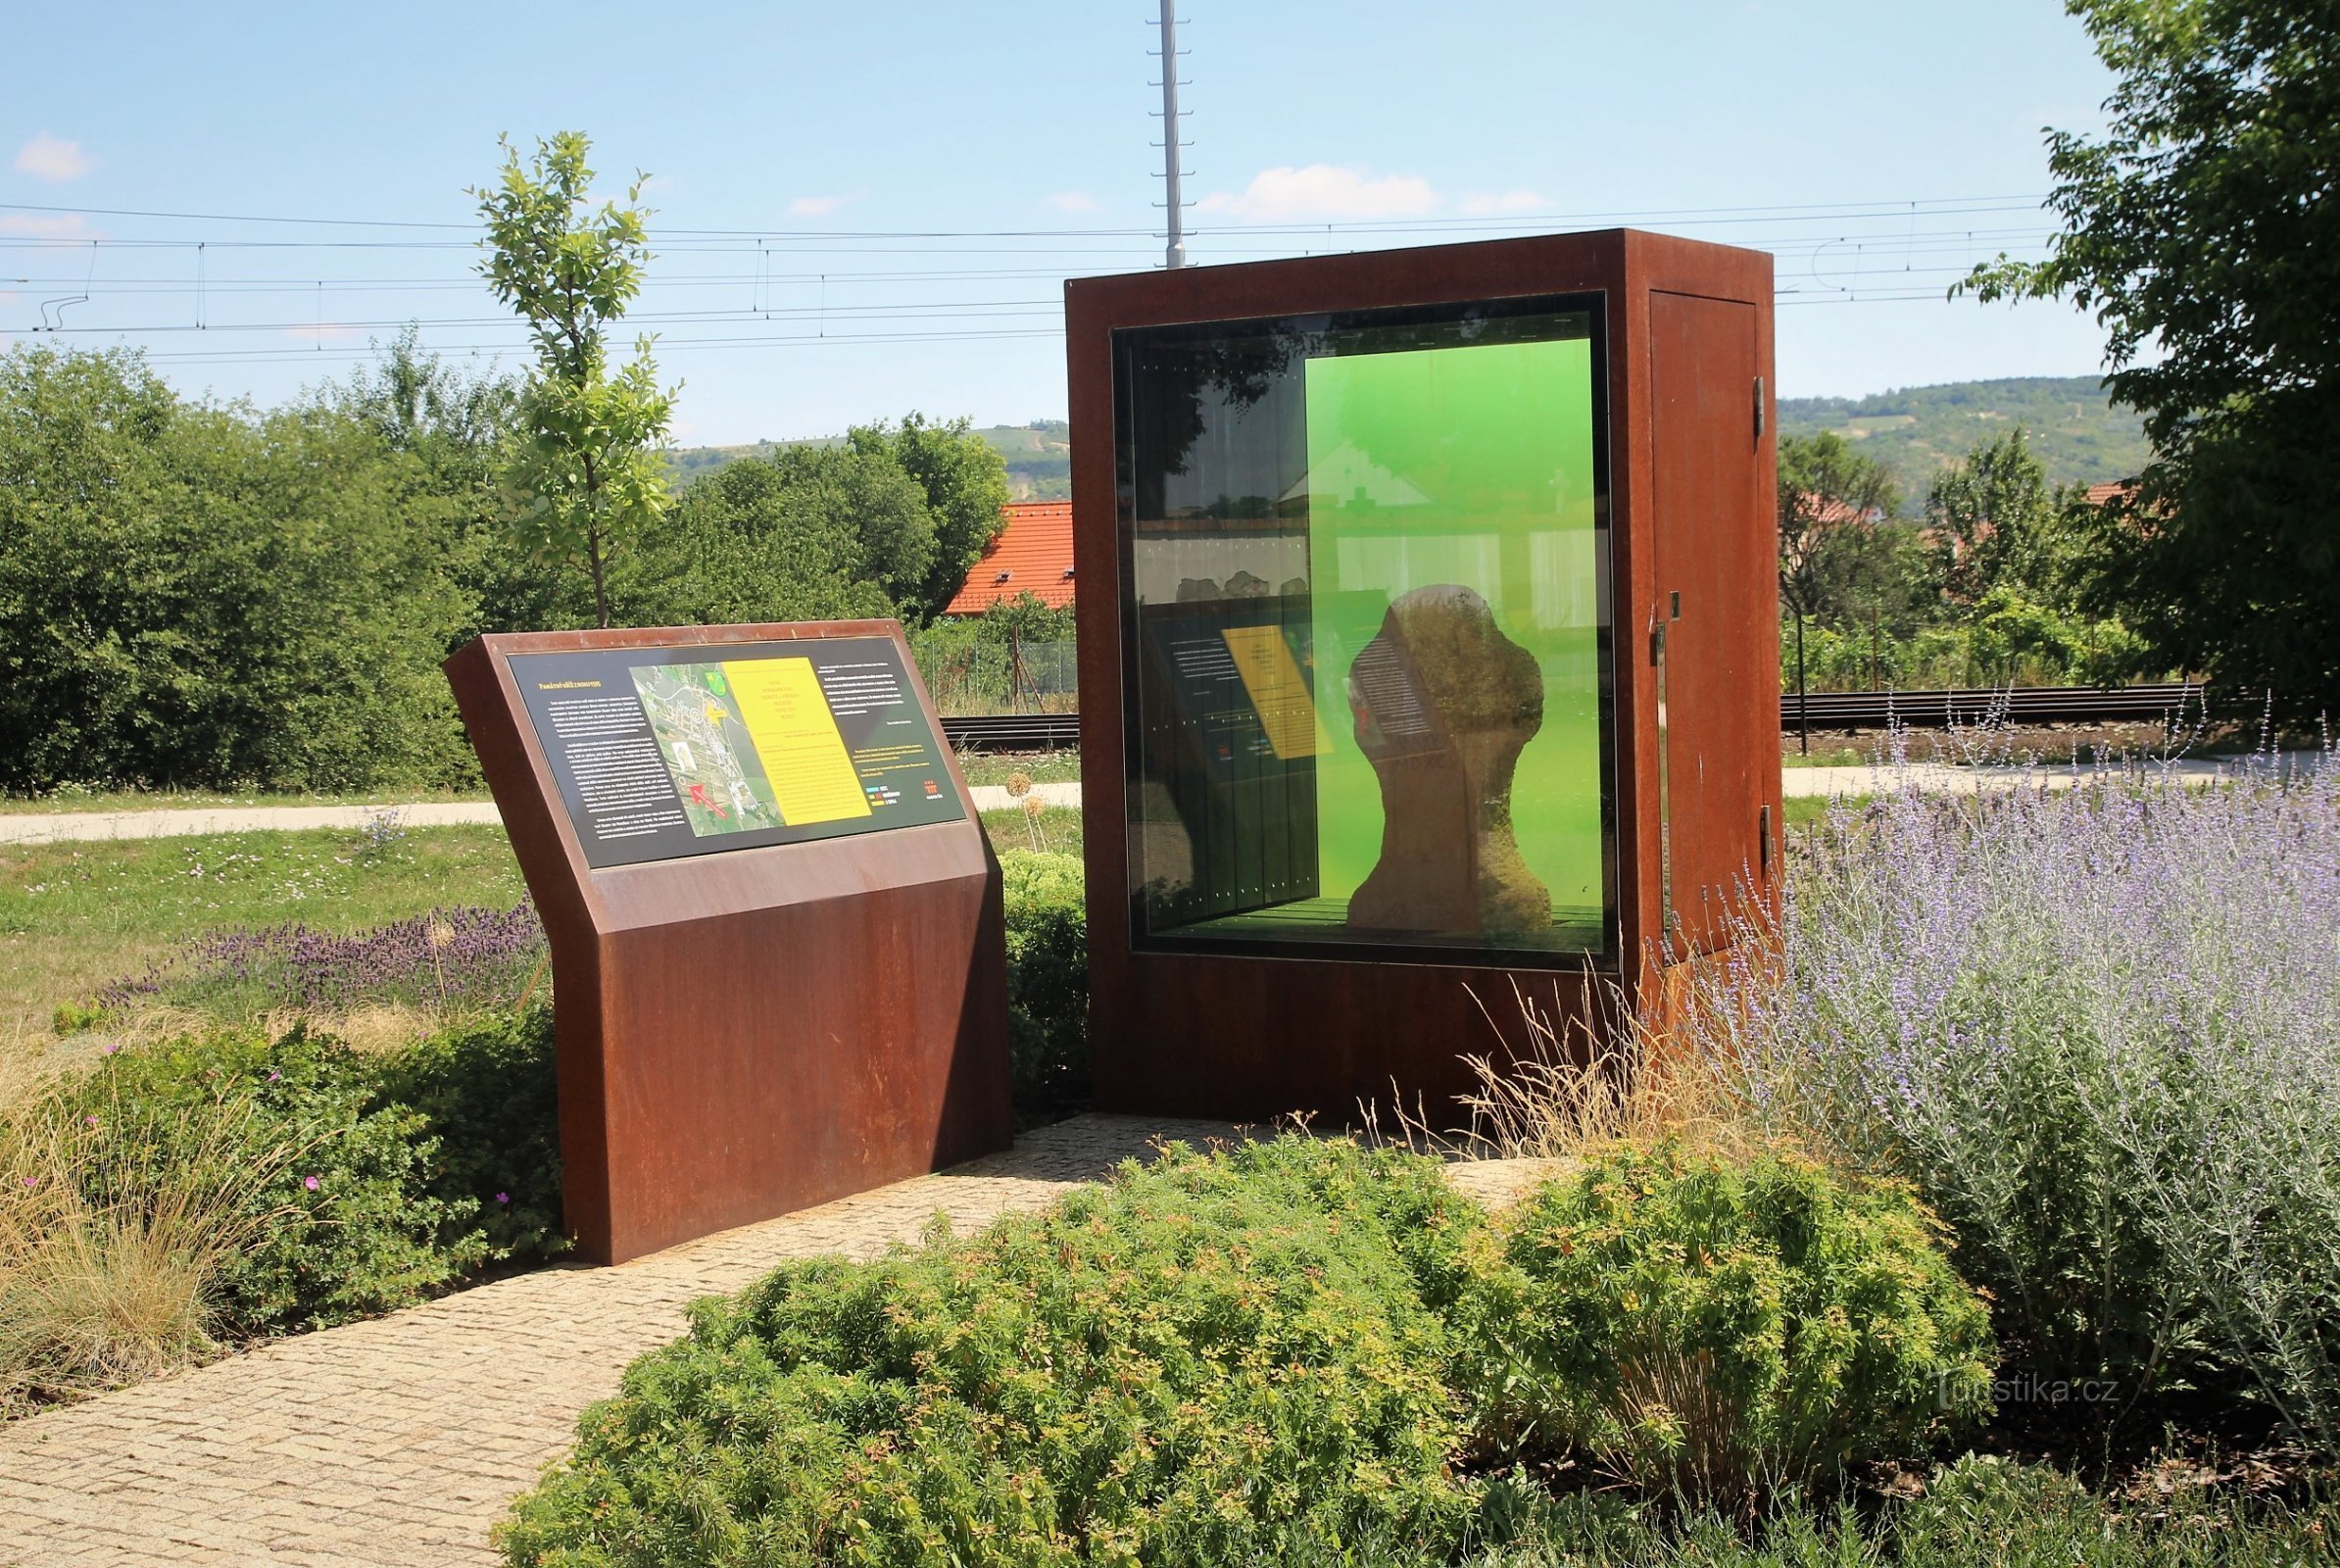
pixel 207 596
pixel 802 536
pixel 896 527
pixel 1990 518
pixel 2200 230
pixel 462 426
pixel 417 402
pixel 1026 618
pixel 966 483
pixel 1833 502
pixel 586 469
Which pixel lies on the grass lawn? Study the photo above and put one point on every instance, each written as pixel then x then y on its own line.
pixel 1803 810
pixel 1057 828
pixel 201 800
pixel 73 916
pixel 1041 768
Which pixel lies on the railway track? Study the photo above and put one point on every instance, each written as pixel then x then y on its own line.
pixel 2021 704
pixel 1829 711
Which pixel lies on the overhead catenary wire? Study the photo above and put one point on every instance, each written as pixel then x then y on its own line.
pixel 897 285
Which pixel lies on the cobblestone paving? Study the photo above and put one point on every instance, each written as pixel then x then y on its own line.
pixel 401 1441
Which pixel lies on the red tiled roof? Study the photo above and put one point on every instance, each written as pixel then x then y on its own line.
pixel 2098 494
pixel 1034 555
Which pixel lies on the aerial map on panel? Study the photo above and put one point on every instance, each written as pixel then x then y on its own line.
pixel 660 753
pixel 708 748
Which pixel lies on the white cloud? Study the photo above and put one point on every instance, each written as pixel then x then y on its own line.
pixel 1321 191
pixel 47 158
pixel 46 226
pixel 816 206
pixel 1510 201
pixel 1074 200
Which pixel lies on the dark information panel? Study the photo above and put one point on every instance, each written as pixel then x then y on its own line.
pixel 662 752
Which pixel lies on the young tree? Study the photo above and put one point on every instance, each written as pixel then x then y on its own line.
pixel 2202 232
pixel 587 473
pixel 1831 503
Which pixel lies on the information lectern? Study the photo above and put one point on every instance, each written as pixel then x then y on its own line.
pixel 779 964
pixel 1428 646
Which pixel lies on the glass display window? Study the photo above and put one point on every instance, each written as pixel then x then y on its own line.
pixel 1367 631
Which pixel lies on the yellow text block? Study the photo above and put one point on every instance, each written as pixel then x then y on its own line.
pixel 781 702
pixel 1278 691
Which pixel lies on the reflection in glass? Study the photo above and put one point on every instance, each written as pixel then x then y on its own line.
pixel 1369 612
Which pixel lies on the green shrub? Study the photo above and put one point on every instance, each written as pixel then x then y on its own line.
pixel 485 1092
pixel 1724 1330
pixel 1236 1357
pixel 388 1176
pixel 1048 982
pixel 196 594
pixel 351 1226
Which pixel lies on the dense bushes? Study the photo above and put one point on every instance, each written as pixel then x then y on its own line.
pixel 348 1184
pixel 2100 1030
pixel 1281 1352
pixel 210 595
pixel 1728 1330
pixel 485 1092
pixel 1048 982
pixel 1231 1359
pixel 198 595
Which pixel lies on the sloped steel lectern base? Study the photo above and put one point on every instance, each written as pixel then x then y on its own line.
pixel 746 1033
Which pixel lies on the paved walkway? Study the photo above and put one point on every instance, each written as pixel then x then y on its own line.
pixel 1955 779
pixel 398 1442
pixel 1948 779
pixel 59 827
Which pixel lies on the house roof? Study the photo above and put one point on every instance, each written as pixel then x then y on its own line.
pixel 1033 555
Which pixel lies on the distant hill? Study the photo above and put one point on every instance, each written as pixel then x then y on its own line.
pixel 1915 432
pixel 2072 430
pixel 1039 457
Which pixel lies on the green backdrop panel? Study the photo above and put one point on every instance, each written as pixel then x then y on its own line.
pixel 1474 466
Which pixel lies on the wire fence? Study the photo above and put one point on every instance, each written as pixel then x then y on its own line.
pixel 976 679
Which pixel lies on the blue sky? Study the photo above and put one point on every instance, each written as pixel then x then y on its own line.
pixel 865 210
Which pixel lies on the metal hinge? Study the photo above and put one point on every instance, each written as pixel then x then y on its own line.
pixel 1759 407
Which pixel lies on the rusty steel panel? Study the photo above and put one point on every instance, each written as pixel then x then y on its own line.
pixel 1252 1035
pixel 746 1033
pixel 1717 586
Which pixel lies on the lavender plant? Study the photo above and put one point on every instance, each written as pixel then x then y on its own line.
pixel 2099 1027
pixel 451 958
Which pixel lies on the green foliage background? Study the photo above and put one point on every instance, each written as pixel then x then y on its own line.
pixel 198 595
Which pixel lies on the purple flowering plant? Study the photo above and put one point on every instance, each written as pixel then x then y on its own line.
pixel 454 958
pixel 2096 1020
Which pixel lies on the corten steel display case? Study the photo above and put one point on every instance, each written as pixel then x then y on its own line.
pixel 743 1032
pixel 1429 648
